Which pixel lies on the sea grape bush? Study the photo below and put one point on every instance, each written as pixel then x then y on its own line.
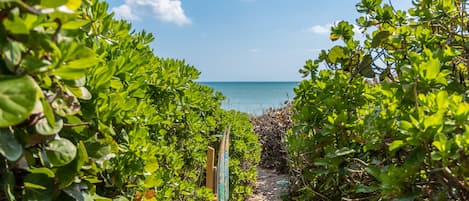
pixel 88 112
pixel 388 117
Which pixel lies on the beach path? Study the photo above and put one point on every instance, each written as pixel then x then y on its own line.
pixel 267 188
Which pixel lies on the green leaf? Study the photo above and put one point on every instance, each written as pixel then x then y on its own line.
pixel 60 152
pixel 335 53
pixel 433 120
pixel 342 29
pixel 70 73
pixel 34 186
pixel 38 187
pixel 11 54
pixel 396 144
pixel 430 69
pixel 440 142
pixel 16 25
pixel 9 186
pixel 379 38
pixel 75 24
pixel 45 171
pixel 47 110
pixel 73 4
pixel 365 68
pixel 18 96
pixel 34 65
pixel 44 128
pixel 66 106
pixel 52 4
pixel 80 92
pixel 405 125
pixel 151 165
pixel 82 57
pixel 9 146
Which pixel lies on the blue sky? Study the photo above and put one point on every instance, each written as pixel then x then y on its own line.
pixel 240 40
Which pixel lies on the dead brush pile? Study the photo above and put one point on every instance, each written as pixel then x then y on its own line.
pixel 271 128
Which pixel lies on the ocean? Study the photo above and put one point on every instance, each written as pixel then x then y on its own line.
pixel 254 97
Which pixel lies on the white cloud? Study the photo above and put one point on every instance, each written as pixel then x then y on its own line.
pixel 320 29
pixel 166 10
pixel 124 12
pixel 254 50
pixel 325 29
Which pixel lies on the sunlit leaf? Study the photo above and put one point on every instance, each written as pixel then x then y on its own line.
pixel 60 152
pixel 18 96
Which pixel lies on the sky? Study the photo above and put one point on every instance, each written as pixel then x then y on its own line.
pixel 240 40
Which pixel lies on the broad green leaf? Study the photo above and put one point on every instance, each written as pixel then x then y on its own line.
pixel 151 165
pixel 379 38
pixel 97 150
pixel 53 4
pixel 405 125
pixel 16 25
pixel 342 29
pixel 442 100
pixel 60 152
pixel 395 145
pixel 38 187
pixel 73 4
pixel 335 53
pixel 76 24
pixel 433 120
pixel 70 73
pixel 440 142
pixel 44 128
pixel 430 69
pixel 11 54
pixel 10 148
pixel 18 96
pixel 80 92
pixel 82 57
pixel 34 65
pixel 365 67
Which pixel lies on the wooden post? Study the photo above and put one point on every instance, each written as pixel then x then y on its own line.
pixel 209 180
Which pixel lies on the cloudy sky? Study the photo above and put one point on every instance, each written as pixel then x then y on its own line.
pixel 240 40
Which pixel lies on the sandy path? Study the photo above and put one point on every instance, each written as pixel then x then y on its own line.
pixel 266 186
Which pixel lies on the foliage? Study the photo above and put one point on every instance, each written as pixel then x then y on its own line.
pixel 88 112
pixel 388 118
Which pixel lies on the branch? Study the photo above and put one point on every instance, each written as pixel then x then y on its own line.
pixel 79 124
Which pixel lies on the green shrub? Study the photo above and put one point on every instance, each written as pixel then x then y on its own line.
pixel 388 118
pixel 88 112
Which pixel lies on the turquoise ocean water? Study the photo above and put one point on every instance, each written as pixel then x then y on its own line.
pixel 254 97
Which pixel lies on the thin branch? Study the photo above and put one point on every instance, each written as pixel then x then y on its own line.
pixel 78 124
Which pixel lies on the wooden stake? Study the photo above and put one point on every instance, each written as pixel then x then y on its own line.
pixel 209 181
